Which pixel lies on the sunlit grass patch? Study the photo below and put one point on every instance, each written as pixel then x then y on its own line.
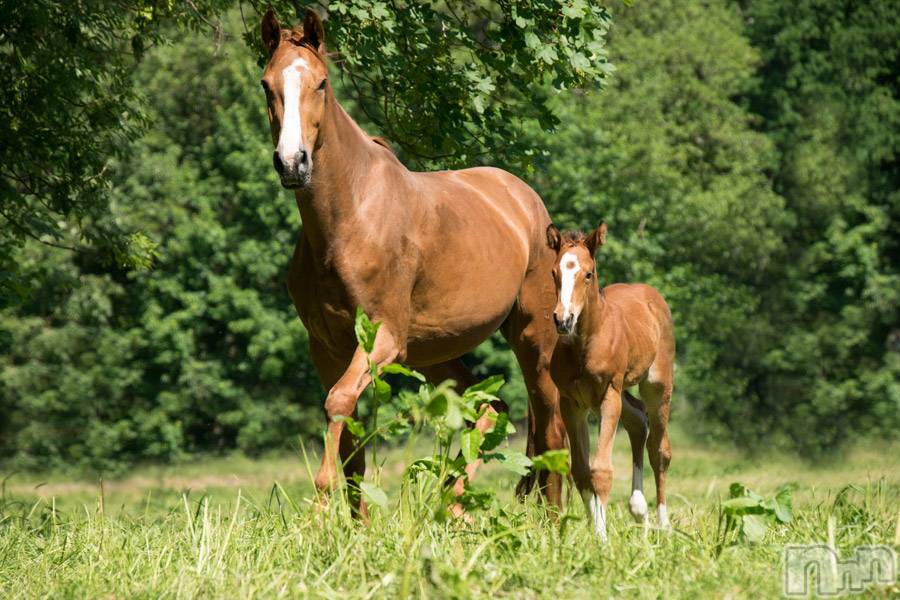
pixel 243 535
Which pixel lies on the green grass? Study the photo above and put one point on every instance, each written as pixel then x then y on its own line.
pixel 223 529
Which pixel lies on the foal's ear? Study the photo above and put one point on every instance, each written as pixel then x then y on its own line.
pixel 597 238
pixel 553 237
pixel 271 31
pixel 314 32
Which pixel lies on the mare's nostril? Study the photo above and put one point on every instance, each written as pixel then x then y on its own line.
pixel 302 158
pixel 276 161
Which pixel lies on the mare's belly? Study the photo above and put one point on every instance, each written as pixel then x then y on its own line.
pixel 432 345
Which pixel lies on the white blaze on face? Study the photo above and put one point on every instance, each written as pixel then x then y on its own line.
pixel 568 269
pixel 291 139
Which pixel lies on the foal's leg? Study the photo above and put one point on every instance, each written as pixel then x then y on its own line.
pixel 579 440
pixel 602 467
pixel 634 419
pixel 657 396
pixel 341 402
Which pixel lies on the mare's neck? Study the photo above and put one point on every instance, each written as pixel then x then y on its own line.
pixel 341 162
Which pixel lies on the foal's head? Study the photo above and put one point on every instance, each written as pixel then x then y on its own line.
pixel 573 272
pixel 295 81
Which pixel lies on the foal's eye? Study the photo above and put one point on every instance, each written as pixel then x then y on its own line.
pixel 588 276
pixel 322 85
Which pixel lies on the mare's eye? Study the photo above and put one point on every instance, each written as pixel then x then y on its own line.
pixel 322 85
pixel 589 275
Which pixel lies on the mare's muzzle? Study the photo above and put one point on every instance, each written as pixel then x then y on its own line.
pixel 294 171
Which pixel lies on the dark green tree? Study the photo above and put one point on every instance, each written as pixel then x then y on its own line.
pixel 671 161
pixel 103 367
pixel 66 108
pixel 827 95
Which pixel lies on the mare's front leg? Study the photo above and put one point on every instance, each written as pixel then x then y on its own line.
pixel 343 396
pixel 602 467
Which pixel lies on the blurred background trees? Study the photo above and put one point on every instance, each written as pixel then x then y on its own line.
pixel 743 154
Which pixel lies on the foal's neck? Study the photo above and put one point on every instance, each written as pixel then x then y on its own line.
pixel 593 316
pixel 341 162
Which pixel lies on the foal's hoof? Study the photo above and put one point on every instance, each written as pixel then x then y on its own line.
pixel 663 514
pixel 638 506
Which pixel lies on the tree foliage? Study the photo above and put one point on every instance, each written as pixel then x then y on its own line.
pixel 452 83
pixel 104 367
pixel 827 96
pixel 66 108
pixel 744 155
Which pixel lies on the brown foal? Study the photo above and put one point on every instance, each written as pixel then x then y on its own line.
pixel 610 340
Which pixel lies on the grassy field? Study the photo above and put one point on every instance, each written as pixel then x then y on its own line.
pixel 235 528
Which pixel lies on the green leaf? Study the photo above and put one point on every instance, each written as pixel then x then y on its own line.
pixel 490 385
pixel 499 431
pixel 398 369
pixel 784 510
pixel 365 330
pixel 741 503
pixel 555 461
pixel 454 417
pixel 754 527
pixel 469 444
pixel 516 462
pixel 374 494
pixel 382 390
pixel 437 406
pixel 736 490
pixel 474 498
pixel 353 426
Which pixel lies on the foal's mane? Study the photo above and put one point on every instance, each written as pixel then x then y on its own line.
pixel 572 237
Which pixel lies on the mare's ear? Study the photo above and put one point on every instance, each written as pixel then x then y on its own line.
pixel 553 237
pixel 313 32
pixel 271 31
pixel 596 239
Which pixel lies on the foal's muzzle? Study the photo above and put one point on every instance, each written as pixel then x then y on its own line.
pixel 294 171
pixel 564 326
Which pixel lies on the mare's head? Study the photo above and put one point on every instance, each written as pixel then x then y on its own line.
pixel 295 82
pixel 573 272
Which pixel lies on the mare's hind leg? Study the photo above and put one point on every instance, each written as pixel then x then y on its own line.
pixel 456 370
pixel 634 419
pixel 531 334
pixel 657 396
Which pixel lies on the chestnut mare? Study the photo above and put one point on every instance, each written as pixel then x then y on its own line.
pixel 442 259
pixel 610 340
